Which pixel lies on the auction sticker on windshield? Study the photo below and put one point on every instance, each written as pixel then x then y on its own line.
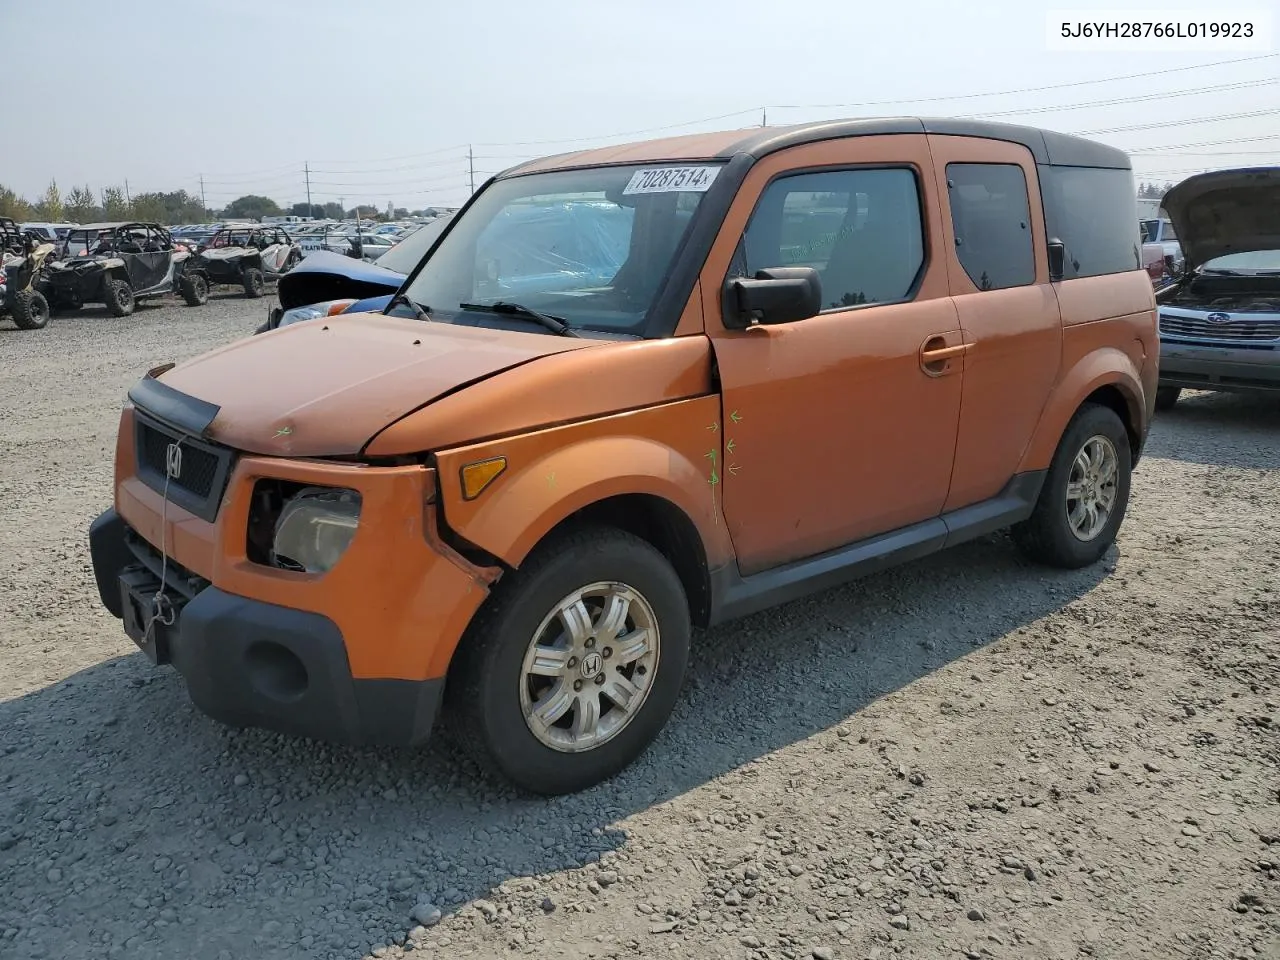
pixel 671 180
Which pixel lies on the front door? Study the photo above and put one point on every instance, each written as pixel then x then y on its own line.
pixel 841 426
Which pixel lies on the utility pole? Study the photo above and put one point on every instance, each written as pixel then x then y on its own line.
pixel 203 205
pixel 471 168
pixel 342 202
pixel 127 198
pixel 307 167
pixel 764 116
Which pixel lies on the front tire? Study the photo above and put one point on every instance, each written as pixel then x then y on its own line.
pixel 30 310
pixel 119 298
pixel 1166 397
pixel 574 666
pixel 253 282
pixel 1085 493
pixel 195 290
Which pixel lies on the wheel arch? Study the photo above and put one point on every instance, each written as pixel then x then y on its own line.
pixel 665 527
pixel 1107 377
pixel 1113 397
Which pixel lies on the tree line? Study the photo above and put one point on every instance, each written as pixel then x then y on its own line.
pixel 1153 191
pixel 82 205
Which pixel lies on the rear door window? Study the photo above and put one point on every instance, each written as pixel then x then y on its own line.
pixel 991 217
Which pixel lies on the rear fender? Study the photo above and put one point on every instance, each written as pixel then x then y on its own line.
pixel 552 474
pixel 1104 367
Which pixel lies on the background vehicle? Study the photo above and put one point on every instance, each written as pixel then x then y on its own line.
pixel 22 284
pixel 1220 318
pixel 247 256
pixel 117 264
pixel 520 509
pixel 1160 232
pixel 11 237
pixel 50 232
pixel 327 283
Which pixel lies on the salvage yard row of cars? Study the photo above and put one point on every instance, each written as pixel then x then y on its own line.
pixel 499 484
pixel 119 264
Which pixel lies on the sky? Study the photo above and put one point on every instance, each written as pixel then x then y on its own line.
pixel 384 99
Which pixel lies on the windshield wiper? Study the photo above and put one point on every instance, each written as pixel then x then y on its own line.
pixel 554 324
pixel 418 312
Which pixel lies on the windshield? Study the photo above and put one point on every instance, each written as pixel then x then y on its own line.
pixel 591 246
pixel 1253 261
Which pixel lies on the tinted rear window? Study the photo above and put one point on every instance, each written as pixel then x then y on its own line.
pixel 1094 212
pixel 992 220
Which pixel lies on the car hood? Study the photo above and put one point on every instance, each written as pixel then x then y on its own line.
pixel 1225 211
pixel 325 387
pixel 324 276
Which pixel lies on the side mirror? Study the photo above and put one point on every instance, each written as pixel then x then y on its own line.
pixel 776 295
pixel 1057 259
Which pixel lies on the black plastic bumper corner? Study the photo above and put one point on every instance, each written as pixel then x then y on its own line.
pixel 248 663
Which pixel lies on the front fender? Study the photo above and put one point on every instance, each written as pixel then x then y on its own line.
pixel 661 451
pixel 1101 367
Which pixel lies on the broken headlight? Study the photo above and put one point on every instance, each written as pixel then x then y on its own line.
pixel 315 528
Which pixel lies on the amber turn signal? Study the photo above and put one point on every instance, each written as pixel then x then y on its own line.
pixel 476 476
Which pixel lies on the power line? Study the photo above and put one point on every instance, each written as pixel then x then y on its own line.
pixel 1177 123
pixel 1004 93
pixel 1204 143
pixel 629 133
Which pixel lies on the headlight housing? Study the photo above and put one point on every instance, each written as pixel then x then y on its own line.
pixel 312 310
pixel 314 529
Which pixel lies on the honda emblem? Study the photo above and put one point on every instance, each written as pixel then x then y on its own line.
pixel 173 461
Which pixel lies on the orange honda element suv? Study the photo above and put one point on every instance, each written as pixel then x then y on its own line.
pixel 628 392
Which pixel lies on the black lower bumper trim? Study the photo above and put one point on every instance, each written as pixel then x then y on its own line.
pixel 248 663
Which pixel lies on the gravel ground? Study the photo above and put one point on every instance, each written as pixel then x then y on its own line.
pixel 968 757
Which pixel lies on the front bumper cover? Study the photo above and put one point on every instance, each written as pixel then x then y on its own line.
pixel 1223 368
pixel 251 663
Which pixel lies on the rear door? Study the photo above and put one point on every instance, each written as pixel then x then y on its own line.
pixel 841 426
pixel 994 249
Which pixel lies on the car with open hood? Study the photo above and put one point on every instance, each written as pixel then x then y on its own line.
pixel 1220 317
pixel 328 283
pixel 507 498
pixel 119 264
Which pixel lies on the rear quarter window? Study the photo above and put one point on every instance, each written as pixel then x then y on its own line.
pixel 991 216
pixel 1094 212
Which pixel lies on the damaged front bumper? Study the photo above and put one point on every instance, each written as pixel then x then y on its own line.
pixel 356 655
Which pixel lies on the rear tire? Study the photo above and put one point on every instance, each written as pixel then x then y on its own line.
pixel 195 290
pixel 1089 477
pixel 253 282
pixel 119 297
pixel 497 680
pixel 30 310
pixel 1166 397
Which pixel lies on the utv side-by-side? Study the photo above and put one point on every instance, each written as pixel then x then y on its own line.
pixel 23 277
pixel 246 256
pixel 118 264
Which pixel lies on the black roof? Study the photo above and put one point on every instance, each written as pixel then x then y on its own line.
pixel 1046 146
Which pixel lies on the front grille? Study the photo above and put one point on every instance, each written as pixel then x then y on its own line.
pixel 203 468
pixel 1257 331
